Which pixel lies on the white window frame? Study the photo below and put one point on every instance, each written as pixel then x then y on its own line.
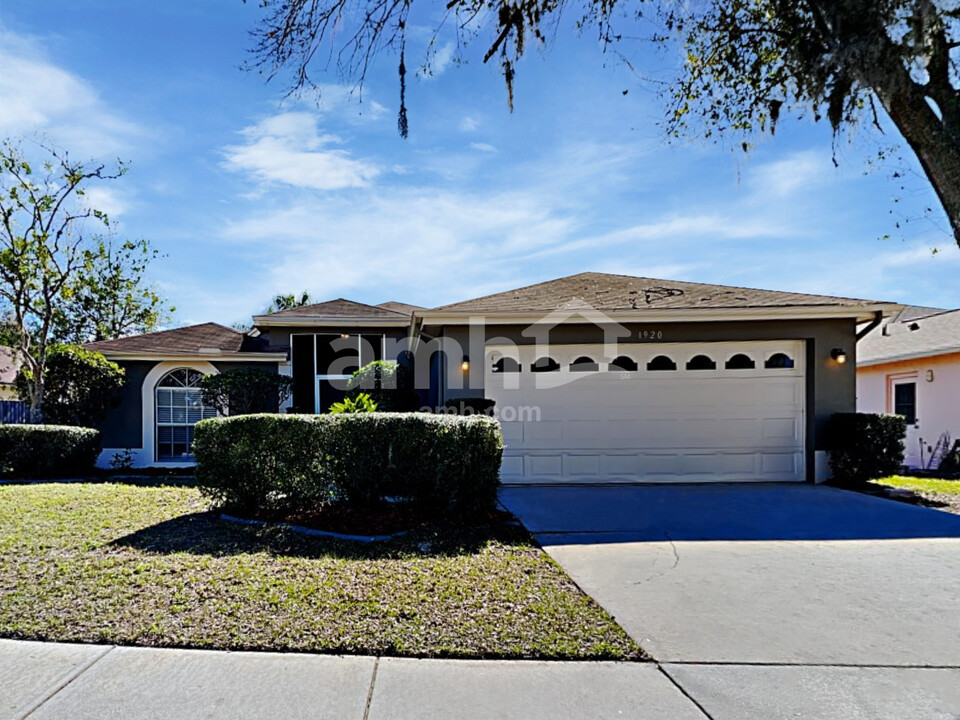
pixel 205 412
pixel 148 397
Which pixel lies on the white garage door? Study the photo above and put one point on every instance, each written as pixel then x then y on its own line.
pixel 678 412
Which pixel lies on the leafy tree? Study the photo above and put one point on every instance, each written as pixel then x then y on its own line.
pixel 110 298
pixel 47 256
pixel 245 390
pixel 745 60
pixel 80 385
pixel 285 302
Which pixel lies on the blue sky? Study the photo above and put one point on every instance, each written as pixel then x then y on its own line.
pixel 248 194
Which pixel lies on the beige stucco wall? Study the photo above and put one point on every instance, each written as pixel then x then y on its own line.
pixel 938 398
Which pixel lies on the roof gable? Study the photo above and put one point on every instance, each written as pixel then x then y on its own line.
pixel 613 293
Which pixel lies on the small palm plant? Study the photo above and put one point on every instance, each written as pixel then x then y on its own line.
pixel 362 403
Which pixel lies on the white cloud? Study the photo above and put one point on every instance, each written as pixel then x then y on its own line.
pixel 289 149
pixel 396 239
pixel 440 60
pixel 106 199
pixel 483 147
pixel 350 103
pixel 42 99
pixel 794 173
pixel 469 124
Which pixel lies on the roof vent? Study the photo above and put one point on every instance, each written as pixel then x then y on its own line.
pixel 914 326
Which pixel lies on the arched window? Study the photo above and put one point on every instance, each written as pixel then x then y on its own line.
pixel 740 362
pixel 779 361
pixel 624 363
pixel 179 407
pixel 661 362
pixel 544 364
pixel 584 364
pixel 506 365
pixel 701 362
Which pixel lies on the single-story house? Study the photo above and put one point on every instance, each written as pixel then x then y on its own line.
pixel 910 365
pixel 596 377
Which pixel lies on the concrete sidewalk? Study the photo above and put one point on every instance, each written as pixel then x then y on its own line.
pixel 43 681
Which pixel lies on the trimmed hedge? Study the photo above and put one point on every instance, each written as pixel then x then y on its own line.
pixel 267 462
pixel 47 450
pixel 866 446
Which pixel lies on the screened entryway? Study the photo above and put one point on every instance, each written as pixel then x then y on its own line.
pixel 179 407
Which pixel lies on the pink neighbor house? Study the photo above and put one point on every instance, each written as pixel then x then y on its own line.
pixel 910 365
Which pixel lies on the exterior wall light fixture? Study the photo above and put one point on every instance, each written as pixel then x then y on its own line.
pixel 839 355
pixel 465 365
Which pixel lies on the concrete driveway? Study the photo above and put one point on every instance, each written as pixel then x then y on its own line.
pixel 759 598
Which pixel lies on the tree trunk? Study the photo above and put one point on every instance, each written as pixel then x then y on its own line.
pixel 937 149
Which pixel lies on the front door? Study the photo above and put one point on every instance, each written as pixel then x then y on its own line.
pixel 903 401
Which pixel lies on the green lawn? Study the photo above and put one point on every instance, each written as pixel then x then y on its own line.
pixel 129 564
pixel 935 485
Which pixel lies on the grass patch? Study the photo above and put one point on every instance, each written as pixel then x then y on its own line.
pixel 151 565
pixel 933 485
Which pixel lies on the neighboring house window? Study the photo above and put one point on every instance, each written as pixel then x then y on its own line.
pixel 545 364
pixel 661 362
pixel 506 365
pixel 779 361
pixel 701 362
pixel 740 362
pixel 179 407
pixel 624 363
pixel 905 401
pixel 584 364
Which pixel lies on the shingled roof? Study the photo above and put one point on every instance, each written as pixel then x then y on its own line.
pixel 404 308
pixel 206 338
pixel 341 308
pixel 612 293
pixel 910 337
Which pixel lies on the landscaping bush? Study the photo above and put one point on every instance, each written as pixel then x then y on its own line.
pixel 264 462
pixel 389 385
pixel 244 391
pixel 362 403
pixel 80 385
pixel 866 446
pixel 47 450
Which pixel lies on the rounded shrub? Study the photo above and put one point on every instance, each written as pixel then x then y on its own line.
pixel 866 446
pixel 32 451
pixel 444 463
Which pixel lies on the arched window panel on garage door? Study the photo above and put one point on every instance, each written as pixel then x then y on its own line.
pixel 779 361
pixel 624 364
pixel 701 362
pixel 544 364
pixel 740 361
pixel 661 363
pixel 584 363
pixel 504 364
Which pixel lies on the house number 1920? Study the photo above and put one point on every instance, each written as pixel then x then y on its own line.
pixel 651 334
